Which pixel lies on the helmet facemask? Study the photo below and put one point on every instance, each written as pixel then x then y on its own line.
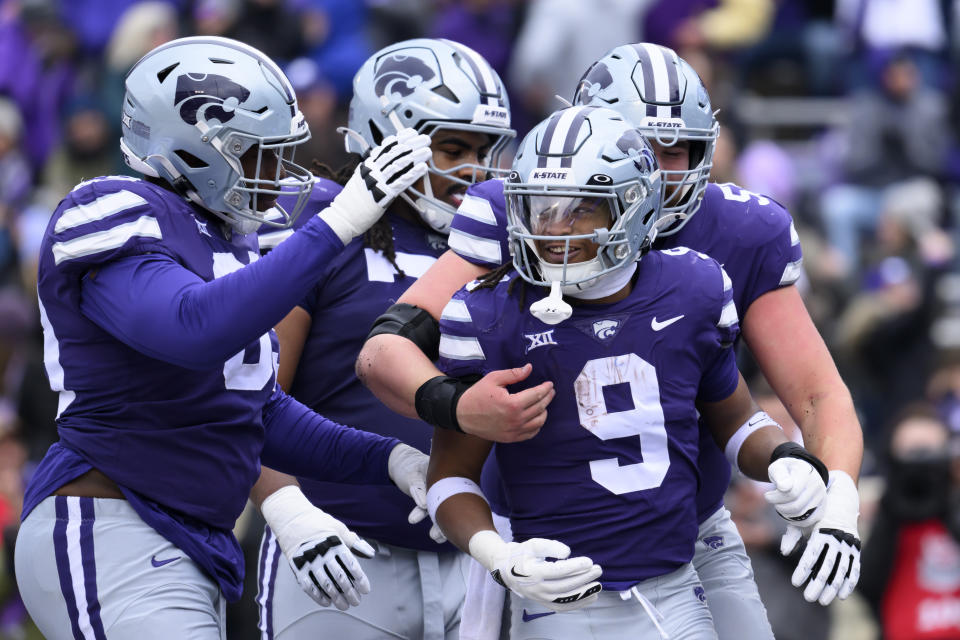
pixel 431 207
pixel 533 210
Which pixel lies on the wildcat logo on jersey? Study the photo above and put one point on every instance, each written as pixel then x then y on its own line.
pixel 606 329
pixel 539 339
pixel 714 542
pixel 700 593
pixel 203 96
pixel 400 74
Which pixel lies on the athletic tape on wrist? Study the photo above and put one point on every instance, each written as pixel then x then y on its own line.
pixel 448 487
pixel 759 420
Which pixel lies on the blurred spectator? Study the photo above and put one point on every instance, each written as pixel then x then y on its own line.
pixel 885 329
pixel 37 71
pixel 338 41
pixel 89 148
pixel 489 27
pixel 15 180
pixel 318 103
pixel 558 41
pixel 95 21
pixel 271 27
pixel 911 562
pixel 877 28
pixel 894 135
pixel 214 17
pixel 141 28
pixel 708 24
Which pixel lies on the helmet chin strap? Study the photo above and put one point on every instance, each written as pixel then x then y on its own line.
pixel 438 218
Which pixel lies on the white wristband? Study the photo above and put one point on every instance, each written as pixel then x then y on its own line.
pixel 447 487
pixel 759 420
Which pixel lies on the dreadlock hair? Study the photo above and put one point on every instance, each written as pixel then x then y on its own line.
pixel 379 237
pixel 492 278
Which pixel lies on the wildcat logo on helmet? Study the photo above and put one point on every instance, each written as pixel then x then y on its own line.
pixel 594 82
pixel 399 75
pixel 208 97
pixel 550 175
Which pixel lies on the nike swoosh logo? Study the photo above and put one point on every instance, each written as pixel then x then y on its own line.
pixel 527 617
pixel 513 572
pixel 657 326
pixel 160 563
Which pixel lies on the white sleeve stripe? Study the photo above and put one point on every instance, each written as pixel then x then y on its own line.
pixel 145 226
pixel 478 209
pixel 102 207
pixel 459 348
pixel 728 317
pixel 727 283
pixel 473 247
pixel 456 311
pixel 794 236
pixel 272 239
pixel 791 273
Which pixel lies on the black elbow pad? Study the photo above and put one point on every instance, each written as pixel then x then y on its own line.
pixel 412 323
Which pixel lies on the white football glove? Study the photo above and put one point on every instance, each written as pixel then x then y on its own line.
pixel 407 467
pixel 388 169
pixel 319 548
pixel 834 537
pixel 522 567
pixel 799 490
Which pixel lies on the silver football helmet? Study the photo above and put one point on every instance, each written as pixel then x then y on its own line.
pixel 575 161
pixel 430 85
pixel 195 106
pixel 660 94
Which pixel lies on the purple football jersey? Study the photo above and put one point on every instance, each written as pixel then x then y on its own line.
pixel 613 471
pixel 181 436
pixel 359 285
pixel 751 235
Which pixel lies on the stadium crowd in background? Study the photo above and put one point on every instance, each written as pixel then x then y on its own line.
pixel 847 112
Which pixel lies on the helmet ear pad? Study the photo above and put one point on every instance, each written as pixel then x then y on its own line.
pixel 194 107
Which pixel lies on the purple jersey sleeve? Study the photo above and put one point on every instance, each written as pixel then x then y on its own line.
pixel 474 331
pixel 750 235
pixel 303 443
pixel 479 230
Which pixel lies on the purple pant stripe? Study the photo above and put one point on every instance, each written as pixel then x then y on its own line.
pixel 267 585
pixel 90 567
pixel 63 564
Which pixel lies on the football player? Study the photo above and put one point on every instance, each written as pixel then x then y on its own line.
pixel 449 92
pixel 604 495
pixel 157 321
pixel 753 237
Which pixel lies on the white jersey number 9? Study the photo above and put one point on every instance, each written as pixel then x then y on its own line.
pixel 645 421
